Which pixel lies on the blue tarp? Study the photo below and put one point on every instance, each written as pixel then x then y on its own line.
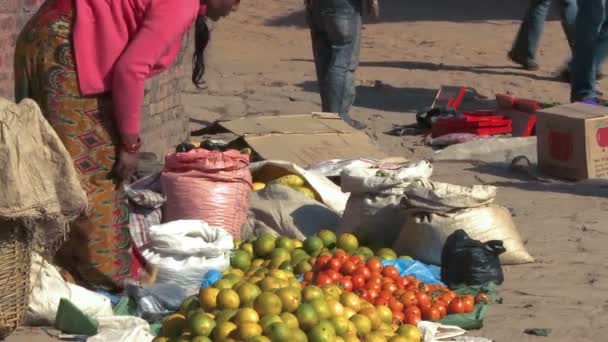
pixel 429 274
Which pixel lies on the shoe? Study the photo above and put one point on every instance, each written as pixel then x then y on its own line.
pixel 596 101
pixel 528 65
pixel 358 125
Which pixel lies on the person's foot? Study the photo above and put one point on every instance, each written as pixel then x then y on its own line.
pixel 564 76
pixel 358 125
pixel 596 101
pixel 524 62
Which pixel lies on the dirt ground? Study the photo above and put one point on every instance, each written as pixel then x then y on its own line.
pixel 260 64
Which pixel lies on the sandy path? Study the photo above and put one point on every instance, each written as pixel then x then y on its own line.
pixel 260 63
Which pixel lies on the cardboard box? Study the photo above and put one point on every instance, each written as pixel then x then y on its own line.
pixel 573 141
pixel 302 139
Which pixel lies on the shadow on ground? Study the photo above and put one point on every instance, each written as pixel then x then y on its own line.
pixel 521 181
pixel 500 70
pixel 435 10
pixel 385 97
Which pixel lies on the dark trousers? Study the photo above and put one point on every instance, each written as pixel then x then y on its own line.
pixel 335 27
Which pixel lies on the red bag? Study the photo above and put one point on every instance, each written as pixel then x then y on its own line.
pixel 208 185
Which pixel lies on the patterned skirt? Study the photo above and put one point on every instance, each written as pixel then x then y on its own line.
pixel 98 251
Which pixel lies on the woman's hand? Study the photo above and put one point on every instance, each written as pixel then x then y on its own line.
pixel 126 166
pixel 128 157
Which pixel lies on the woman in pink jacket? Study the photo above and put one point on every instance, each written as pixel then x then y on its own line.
pixel 85 63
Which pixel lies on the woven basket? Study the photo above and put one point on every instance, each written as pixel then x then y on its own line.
pixel 15 254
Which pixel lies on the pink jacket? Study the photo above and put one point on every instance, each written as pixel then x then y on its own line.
pixel 120 43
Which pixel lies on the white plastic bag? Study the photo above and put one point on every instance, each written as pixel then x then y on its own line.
pixel 334 167
pixel 433 331
pixel 375 195
pixel 330 193
pixel 48 287
pixel 184 250
pixel 122 329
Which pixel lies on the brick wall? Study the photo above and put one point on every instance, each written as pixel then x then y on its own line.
pixel 164 121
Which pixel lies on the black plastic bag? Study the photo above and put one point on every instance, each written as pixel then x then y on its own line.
pixel 427 116
pixel 470 262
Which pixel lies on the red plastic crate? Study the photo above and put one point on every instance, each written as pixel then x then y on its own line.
pixel 521 111
pixel 479 122
pixel 481 131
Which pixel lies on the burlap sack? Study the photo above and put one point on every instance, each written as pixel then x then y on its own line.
pixel 280 210
pixel 38 180
pixel 424 234
pixel 375 197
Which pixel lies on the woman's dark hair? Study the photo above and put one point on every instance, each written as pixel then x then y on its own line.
pixel 201 39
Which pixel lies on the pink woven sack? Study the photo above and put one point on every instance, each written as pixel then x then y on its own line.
pixel 207 185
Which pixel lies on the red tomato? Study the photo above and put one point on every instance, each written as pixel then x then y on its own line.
pixel 395 305
pixel 456 306
pixel 389 287
pixel 409 298
pixel 439 302
pixel 431 314
pixel 399 317
pixel 422 287
pixel 308 276
pixel 355 259
pixel 373 286
pixel 321 263
pixel 358 281
pixel 346 284
pixel 469 303
pixel 447 298
pixel 363 294
pixel 482 298
pixel 364 271
pixel 401 282
pixel 391 272
pixel 423 298
pixel 413 284
pixel 412 319
pixel 399 293
pixel 374 265
pixel 348 267
pixel 381 301
pixel 323 279
pixel 375 279
pixel 373 293
pixel 335 264
pixel 386 280
pixel 443 311
pixel 333 275
pixel 341 256
pixel 413 309
pixel 304 283
pixel 385 295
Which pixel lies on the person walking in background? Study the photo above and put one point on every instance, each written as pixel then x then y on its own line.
pixel 526 42
pixel 85 63
pixel 335 27
pixel 590 49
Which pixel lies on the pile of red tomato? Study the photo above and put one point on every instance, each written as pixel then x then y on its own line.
pixel 409 299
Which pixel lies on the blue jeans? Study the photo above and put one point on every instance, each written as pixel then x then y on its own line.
pixel 533 23
pixel 335 27
pixel 590 49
